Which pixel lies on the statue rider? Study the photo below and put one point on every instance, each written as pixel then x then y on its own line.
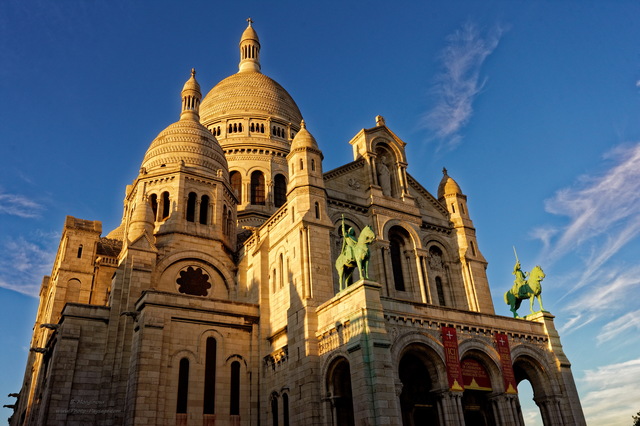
pixel 349 240
pixel 521 278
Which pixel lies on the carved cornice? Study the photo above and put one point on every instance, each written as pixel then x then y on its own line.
pixel 342 170
pixel 437 228
pixel 277 358
pixel 426 194
pixel 335 203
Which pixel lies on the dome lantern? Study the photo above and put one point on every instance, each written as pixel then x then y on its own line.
pixel 249 50
pixel 191 97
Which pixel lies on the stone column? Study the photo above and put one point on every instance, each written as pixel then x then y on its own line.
pixel 450 408
pixel 505 410
pixel 422 279
pixel 374 169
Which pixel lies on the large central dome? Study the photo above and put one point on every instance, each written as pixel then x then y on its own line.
pixel 254 120
pixel 249 92
pixel 250 97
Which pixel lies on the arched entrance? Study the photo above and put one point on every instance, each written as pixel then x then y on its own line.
pixel 476 405
pixel 527 368
pixel 340 394
pixel 417 400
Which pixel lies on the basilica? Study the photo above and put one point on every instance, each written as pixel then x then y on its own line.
pixel 246 286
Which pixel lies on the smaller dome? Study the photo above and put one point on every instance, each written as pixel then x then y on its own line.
pixel 448 185
pixel 192 83
pixel 117 233
pixel 141 220
pixel 249 33
pixel 186 142
pixel 303 139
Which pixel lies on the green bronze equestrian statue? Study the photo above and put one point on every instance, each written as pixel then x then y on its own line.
pixel 525 286
pixel 354 253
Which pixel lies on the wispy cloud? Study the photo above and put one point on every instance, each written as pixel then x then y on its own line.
pixel 612 393
pixel 628 324
pixel 576 322
pixel 604 213
pixel 18 205
pixel 459 82
pixel 544 234
pixel 602 205
pixel 25 262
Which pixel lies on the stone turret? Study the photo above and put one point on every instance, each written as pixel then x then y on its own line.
pixel 473 262
pixel 249 49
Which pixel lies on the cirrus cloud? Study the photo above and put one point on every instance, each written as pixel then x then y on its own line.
pixel 18 205
pixel 459 82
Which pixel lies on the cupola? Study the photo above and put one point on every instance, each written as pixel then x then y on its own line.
pixel 191 97
pixel 448 186
pixel 249 50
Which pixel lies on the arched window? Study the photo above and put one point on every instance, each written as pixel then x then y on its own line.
pixel 166 205
pixel 210 376
pixel 229 222
pixel 154 205
pixel 262 128
pixel 317 207
pixel 301 164
pixel 240 127
pixel 204 209
pixel 339 387
pixel 257 188
pixel 230 128
pixel 73 290
pixel 191 207
pixel 234 389
pixel 285 409
pixel 274 409
pixel 183 386
pixel 225 215
pixel 282 272
pixel 279 190
pixel 252 127
pixel 440 289
pixel 79 251
pixel 473 248
pixel 236 184
pixel 313 165
pixel 398 238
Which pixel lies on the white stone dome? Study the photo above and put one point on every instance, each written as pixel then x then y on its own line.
pixel 186 142
pixel 249 94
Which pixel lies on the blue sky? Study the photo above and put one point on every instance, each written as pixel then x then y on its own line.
pixel 533 107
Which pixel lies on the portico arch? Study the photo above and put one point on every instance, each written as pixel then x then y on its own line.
pixel 420 385
pixel 482 381
pixel 546 394
pixel 339 392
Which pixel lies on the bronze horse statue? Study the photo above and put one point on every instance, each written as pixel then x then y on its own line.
pixel 525 289
pixel 354 254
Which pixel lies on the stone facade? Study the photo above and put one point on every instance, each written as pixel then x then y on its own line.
pixel 217 302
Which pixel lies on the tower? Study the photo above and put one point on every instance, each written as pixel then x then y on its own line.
pixel 471 259
pixel 254 119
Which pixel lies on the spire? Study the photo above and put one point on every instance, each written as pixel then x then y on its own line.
pixel 303 139
pixel 448 185
pixel 191 97
pixel 249 50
